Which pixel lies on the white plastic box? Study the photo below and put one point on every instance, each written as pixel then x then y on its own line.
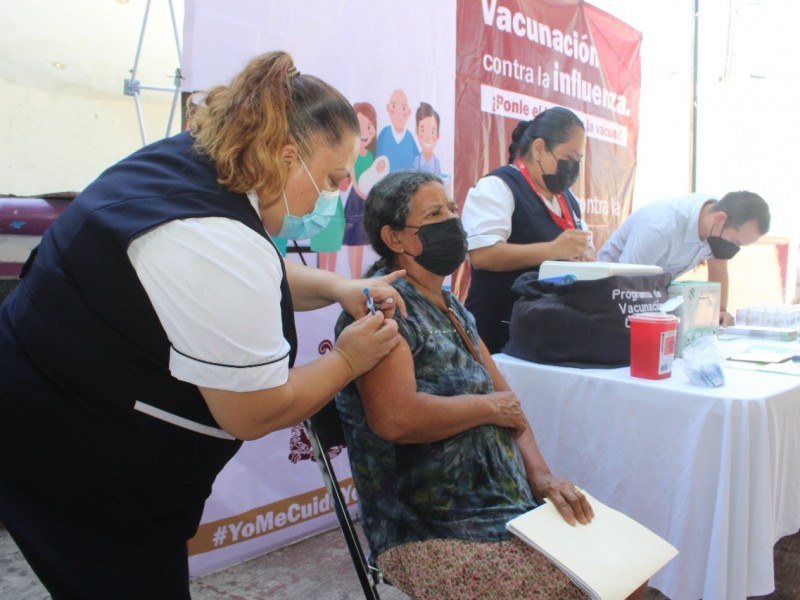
pixel 592 270
pixel 699 313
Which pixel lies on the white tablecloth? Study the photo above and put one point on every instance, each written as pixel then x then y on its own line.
pixel 716 471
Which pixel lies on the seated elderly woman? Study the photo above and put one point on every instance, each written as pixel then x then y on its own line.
pixel 441 453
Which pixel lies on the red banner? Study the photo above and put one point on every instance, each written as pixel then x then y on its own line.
pixel 515 59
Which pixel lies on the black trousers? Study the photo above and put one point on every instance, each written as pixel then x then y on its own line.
pixel 76 563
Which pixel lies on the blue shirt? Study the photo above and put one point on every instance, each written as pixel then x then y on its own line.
pixel 431 166
pixel 401 155
pixel 464 487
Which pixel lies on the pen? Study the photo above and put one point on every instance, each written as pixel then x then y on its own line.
pixel 370 301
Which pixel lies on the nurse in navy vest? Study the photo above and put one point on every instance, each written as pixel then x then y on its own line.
pixel 153 331
pixel 522 214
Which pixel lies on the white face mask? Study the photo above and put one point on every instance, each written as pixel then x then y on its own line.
pixel 309 225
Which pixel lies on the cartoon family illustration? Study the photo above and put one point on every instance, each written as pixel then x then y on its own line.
pixel 393 149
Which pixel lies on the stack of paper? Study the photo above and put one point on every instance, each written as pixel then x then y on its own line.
pixel 774 359
pixel 764 354
pixel 608 558
pixel 785 334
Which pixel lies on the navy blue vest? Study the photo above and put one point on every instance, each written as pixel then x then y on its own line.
pixel 490 297
pixel 81 343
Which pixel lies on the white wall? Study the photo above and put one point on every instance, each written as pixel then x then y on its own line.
pixel 60 142
pixel 748 94
pixel 663 152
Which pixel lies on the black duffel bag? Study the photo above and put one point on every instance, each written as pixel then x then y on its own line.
pixel 580 324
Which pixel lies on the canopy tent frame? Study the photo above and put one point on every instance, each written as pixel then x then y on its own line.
pixel 133 87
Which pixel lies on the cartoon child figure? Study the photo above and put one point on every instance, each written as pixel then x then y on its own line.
pixel 367 170
pixel 395 141
pixel 428 135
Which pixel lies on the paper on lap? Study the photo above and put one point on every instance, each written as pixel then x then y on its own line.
pixel 609 558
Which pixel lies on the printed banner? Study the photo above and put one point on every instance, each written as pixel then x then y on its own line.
pixel 437 86
pixel 517 59
pixel 264 520
pixel 267 496
pixel 402 89
pixel 401 86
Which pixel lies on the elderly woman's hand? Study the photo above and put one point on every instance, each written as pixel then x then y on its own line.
pixel 508 411
pixel 350 295
pixel 567 498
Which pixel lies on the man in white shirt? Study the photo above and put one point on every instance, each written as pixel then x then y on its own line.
pixel 680 233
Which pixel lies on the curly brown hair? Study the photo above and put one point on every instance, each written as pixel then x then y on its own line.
pixel 242 127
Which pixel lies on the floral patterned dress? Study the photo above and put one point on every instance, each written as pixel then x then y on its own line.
pixel 465 487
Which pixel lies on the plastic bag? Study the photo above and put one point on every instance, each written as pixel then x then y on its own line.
pixel 702 362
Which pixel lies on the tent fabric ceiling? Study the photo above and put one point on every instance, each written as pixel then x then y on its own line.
pixel 88 47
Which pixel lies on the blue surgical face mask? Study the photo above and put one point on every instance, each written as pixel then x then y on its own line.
pixel 309 225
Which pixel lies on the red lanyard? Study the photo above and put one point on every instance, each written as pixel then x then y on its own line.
pixel 565 220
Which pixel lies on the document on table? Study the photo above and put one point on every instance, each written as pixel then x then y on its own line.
pixel 788 367
pixel 763 354
pixel 773 359
pixel 608 558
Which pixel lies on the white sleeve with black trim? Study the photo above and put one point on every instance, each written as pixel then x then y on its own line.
pixel 215 285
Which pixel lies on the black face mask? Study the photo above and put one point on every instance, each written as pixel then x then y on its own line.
pixel 444 246
pixel 565 176
pixel 722 248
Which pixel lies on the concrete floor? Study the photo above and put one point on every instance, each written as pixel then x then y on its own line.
pixel 317 568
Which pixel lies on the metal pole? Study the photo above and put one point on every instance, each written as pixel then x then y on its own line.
pixel 175 33
pixel 693 118
pixel 132 87
pixel 141 39
pixel 178 80
pixel 175 98
pixel 140 118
